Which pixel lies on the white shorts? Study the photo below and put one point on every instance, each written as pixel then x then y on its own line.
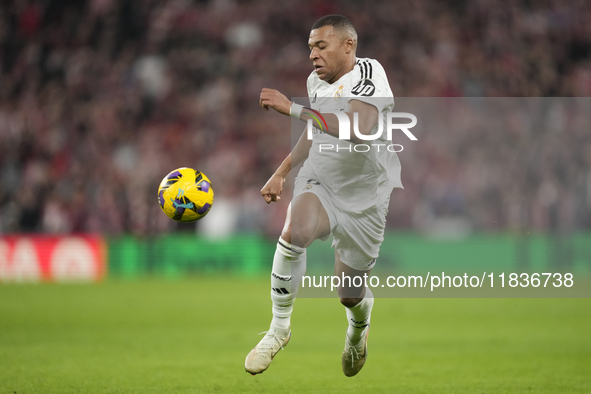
pixel 357 237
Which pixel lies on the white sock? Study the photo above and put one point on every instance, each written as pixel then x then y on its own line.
pixel 289 265
pixel 359 317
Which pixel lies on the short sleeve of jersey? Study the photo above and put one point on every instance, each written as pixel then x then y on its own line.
pixel 372 87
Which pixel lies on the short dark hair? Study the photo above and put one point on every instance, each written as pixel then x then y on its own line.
pixel 338 22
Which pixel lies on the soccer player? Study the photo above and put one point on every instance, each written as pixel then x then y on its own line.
pixel 341 191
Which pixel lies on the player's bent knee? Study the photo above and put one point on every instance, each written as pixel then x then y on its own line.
pixel 350 302
pixel 301 236
pixel 286 234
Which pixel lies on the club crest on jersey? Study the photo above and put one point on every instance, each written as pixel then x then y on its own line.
pixel 339 93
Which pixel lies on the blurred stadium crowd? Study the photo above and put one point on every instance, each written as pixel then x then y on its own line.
pixel 100 99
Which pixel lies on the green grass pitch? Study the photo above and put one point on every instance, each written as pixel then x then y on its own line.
pixel 191 336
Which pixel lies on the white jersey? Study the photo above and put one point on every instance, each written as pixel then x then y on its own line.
pixel 356 180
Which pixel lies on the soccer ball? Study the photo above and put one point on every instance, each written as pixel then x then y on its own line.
pixel 185 195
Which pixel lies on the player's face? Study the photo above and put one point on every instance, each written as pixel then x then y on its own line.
pixel 328 52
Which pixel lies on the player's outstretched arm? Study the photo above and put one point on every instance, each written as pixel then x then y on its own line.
pixel 367 119
pixel 272 190
pixel 367 113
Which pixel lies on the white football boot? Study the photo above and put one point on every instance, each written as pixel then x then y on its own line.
pixel 260 357
pixel 354 355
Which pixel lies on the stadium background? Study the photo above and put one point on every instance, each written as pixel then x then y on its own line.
pixel 100 99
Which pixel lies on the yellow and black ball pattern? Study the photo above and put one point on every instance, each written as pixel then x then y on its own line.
pixel 185 195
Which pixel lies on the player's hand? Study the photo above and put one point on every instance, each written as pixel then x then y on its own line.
pixel 271 98
pixel 273 188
